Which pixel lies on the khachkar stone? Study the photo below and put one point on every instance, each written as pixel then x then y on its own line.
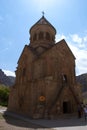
pixel 45 85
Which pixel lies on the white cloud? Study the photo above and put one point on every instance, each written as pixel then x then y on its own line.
pixel 9 73
pixel 76 38
pixel 81 42
pixel 78 46
pixel 59 37
pixel 81 60
pixel 85 39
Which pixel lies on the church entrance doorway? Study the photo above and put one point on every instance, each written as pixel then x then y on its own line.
pixel 66 107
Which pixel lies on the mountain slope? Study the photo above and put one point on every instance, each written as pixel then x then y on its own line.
pixel 6 80
pixel 82 79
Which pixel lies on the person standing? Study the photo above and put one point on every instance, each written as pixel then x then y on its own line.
pixel 79 111
pixel 85 111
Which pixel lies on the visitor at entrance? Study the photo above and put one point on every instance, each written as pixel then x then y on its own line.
pixel 79 111
pixel 85 111
pixel 82 109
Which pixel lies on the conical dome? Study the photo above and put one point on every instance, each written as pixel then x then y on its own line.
pixel 42 32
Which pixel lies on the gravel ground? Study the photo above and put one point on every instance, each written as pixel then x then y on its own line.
pixel 8 122
pixel 11 123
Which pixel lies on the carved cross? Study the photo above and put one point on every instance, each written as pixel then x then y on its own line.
pixel 43 13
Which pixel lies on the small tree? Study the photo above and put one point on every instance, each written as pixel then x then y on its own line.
pixel 4 94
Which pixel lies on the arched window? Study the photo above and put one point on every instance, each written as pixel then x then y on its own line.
pixel 47 36
pixel 35 37
pixel 64 77
pixel 41 36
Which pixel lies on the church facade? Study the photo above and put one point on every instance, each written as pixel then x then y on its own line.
pixel 45 83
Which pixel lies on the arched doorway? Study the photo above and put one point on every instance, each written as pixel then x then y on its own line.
pixel 66 107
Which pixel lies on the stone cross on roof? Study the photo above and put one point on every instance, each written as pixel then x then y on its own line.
pixel 43 13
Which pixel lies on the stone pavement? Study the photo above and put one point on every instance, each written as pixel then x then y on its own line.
pixel 71 123
pixel 2 110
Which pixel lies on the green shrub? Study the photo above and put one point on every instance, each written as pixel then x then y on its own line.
pixel 4 94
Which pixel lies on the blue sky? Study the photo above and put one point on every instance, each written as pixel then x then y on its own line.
pixel 69 17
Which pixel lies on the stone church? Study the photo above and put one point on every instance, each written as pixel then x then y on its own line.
pixel 45 85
